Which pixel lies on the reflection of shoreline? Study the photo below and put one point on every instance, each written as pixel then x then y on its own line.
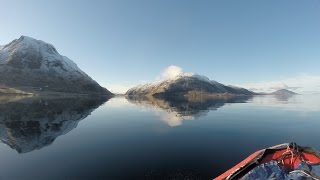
pixel 12 98
pixel 300 103
pixel 284 98
pixel 28 124
pixel 175 110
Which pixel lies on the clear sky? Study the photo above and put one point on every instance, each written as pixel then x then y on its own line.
pixel 252 43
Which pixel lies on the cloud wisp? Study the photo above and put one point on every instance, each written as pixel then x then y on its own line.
pixel 169 72
pixel 305 84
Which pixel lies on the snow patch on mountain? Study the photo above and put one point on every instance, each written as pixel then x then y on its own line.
pixel 48 56
pixel 27 62
pixel 183 83
pixel 168 80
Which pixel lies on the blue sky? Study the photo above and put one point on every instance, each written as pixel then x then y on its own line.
pixel 252 43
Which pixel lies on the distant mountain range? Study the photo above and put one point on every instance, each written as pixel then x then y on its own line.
pixel 283 92
pixel 189 85
pixel 186 84
pixel 31 65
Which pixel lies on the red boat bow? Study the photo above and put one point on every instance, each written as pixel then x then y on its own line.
pixel 289 155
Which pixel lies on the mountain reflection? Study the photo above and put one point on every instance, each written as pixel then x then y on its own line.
pixel 284 98
pixel 175 110
pixel 27 124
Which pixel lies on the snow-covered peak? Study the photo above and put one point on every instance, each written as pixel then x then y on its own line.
pixel 30 53
pixel 184 75
pixel 162 85
pixel 30 62
pixel 26 41
pixel 29 40
pixel 181 83
pixel 177 76
pixel 163 80
pixel 173 73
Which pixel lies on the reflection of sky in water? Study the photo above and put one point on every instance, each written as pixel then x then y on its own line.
pixel 137 137
pixel 301 103
pixel 172 118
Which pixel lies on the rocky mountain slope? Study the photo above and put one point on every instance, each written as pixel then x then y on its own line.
pixel 33 65
pixel 186 84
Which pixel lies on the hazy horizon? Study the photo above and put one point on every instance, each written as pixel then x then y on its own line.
pixel 259 45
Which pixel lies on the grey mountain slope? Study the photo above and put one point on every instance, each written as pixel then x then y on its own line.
pixel 28 63
pixel 186 84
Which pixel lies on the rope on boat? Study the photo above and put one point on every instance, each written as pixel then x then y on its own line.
pixel 305 173
pixel 294 151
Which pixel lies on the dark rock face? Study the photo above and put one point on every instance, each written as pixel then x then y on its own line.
pixel 33 64
pixel 185 86
pixel 27 124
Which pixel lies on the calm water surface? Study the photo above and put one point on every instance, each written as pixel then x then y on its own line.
pixel 119 138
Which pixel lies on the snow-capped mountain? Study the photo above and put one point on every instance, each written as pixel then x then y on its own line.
pixel 32 64
pixel 186 84
pixel 33 123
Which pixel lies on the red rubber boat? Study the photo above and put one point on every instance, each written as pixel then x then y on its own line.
pixel 284 161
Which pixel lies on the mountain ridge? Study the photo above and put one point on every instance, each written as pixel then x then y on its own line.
pixel 186 84
pixel 27 63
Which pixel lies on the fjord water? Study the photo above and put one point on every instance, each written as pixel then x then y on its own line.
pixel 146 138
